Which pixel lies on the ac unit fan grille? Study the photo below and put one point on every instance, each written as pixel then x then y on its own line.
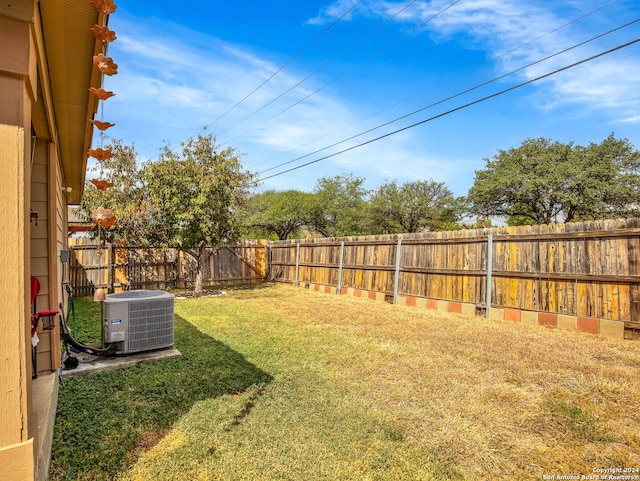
pixel 150 325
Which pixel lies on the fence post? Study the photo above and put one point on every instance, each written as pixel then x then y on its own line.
pixel 267 262
pixel 489 271
pixel 297 261
pixel 112 267
pixel 340 268
pixel 397 276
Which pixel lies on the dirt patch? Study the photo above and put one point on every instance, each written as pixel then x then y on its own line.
pixel 147 441
pixel 184 294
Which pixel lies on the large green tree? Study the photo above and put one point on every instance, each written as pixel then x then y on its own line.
pixel 412 207
pixel 279 213
pixel 340 206
pixel 197 192
pixel 543 181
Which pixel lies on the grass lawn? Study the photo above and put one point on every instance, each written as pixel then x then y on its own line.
pixel 283 383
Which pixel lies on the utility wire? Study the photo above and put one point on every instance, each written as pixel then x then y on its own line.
pixel 349 48
pixel 345 73
pixel 488 97
pixel 419 93
pixel 295 56
pixel 484 84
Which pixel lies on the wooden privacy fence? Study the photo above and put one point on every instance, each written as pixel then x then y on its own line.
pixel 120 267
pixel 582 271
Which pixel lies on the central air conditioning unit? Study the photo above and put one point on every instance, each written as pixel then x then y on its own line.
pixel 139 320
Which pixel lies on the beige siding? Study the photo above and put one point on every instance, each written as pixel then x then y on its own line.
pixel 17 66
pixel 40 246
pixel 48 238
pixel 17 462
pixel 59 238
pixel 12 302
pixel 14 265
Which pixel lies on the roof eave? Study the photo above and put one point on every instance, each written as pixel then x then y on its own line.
pixel 70 47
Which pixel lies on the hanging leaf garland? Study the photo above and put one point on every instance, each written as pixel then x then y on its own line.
pixel 103 217
pixel 102 125
pixel 105 64
pixel 100 154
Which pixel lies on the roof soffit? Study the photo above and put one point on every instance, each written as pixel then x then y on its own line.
pixel 70 47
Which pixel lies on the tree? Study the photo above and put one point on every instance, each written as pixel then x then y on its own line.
pixel 340 206
pixel 607 183
pixel 412 207
pixel 196 193
pixel 543 182
pixel 281 213
pixel 126 198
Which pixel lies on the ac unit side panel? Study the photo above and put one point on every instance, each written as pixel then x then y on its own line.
pixel 116 322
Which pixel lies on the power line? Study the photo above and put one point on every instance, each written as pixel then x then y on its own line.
pixel 349 48
pixel 417 94
pixel 488 97
pixel 295 56
pixel 343 74
pixel 484 84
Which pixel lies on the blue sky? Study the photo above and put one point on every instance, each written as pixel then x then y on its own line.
pixel 186 65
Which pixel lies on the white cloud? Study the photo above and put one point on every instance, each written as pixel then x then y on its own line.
pixel 631 120
pixel 333 11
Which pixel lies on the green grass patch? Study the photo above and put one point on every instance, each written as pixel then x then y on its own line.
pixel 84 320
pixel 105 420
pixel 577 422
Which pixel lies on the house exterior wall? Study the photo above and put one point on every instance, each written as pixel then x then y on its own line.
pixel 46 50
pixel 17 92
pixel 48 238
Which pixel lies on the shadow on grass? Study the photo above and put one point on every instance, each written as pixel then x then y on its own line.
pixel 105 421
pixel 249 286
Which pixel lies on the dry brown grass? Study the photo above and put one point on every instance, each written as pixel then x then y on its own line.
pixel 501 400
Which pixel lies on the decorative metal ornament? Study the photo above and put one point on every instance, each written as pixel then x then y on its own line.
pixel 104 6
pixel 103 33
pixel 101 94
pixel 99 295
pixel 103 217
pixel 102 125
pixel 101 154
pixel 105 64
pixel 101 184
